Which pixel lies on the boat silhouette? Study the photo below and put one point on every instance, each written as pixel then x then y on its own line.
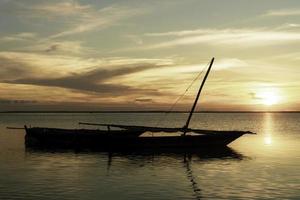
pixel 129 137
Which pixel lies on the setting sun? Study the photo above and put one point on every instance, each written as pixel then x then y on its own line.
pixel 269 97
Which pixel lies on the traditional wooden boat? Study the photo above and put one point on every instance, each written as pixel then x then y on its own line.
pixel 130 137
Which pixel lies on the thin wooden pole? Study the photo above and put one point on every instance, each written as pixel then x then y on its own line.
pixel 9 127
pixel 185 128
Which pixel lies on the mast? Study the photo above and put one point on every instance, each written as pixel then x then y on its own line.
pixel 185 127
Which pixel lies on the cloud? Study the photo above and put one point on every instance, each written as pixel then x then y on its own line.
pixel 126 60
pixel 180 33
pixel 92 81
pixel 134 38
pixel 61 9
pixel 38 64
pixel 282 13
pixel 220 64
pixel 17 101
pixel 73 16
pixel 10 69
pixel 25 36
pixel 99 19
pixel 254 96
pixel 53 10
pixel 143 100
pixel 294 56
pixel 290 26
pixel 52 48
pixel 249 37
pixel 102 76
pixel 55 65
pixel 60 47
pixel 230 63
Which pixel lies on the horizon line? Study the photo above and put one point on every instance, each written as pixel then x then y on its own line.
pixel 146 111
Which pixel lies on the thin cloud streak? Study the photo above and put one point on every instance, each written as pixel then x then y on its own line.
pixel 17 101
pixel 25 36
pixel 222 64
pixel 282 13
pixel 62 8
pixel 249 37
pixel 97 20
pixel 60 47
pixel 181 33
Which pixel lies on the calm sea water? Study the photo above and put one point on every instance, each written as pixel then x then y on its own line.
pixel 262 166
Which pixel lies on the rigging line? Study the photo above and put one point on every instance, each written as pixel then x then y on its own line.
pixel 182 95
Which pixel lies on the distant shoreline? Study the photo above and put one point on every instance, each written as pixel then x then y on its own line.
pixel 145 111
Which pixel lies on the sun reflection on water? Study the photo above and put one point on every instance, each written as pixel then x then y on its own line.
pixel 268 140
pixel 268 129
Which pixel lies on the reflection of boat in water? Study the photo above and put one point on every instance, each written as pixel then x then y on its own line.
pixel 191 177
pixel 129 137
pixel 187 161
pixel 201 154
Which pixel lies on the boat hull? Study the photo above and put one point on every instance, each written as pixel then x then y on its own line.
pixel 122 140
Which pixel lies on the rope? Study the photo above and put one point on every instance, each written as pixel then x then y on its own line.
pixel 181 96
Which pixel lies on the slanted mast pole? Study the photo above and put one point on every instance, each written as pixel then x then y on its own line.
pixel 185 127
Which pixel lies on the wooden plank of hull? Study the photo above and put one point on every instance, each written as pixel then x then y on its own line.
pixel 92 139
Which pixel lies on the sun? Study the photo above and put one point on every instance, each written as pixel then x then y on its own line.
pixel 269 96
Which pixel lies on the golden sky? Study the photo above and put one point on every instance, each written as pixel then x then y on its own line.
pixel 142 55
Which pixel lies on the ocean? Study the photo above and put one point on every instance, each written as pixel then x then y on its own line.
pixel 262 166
